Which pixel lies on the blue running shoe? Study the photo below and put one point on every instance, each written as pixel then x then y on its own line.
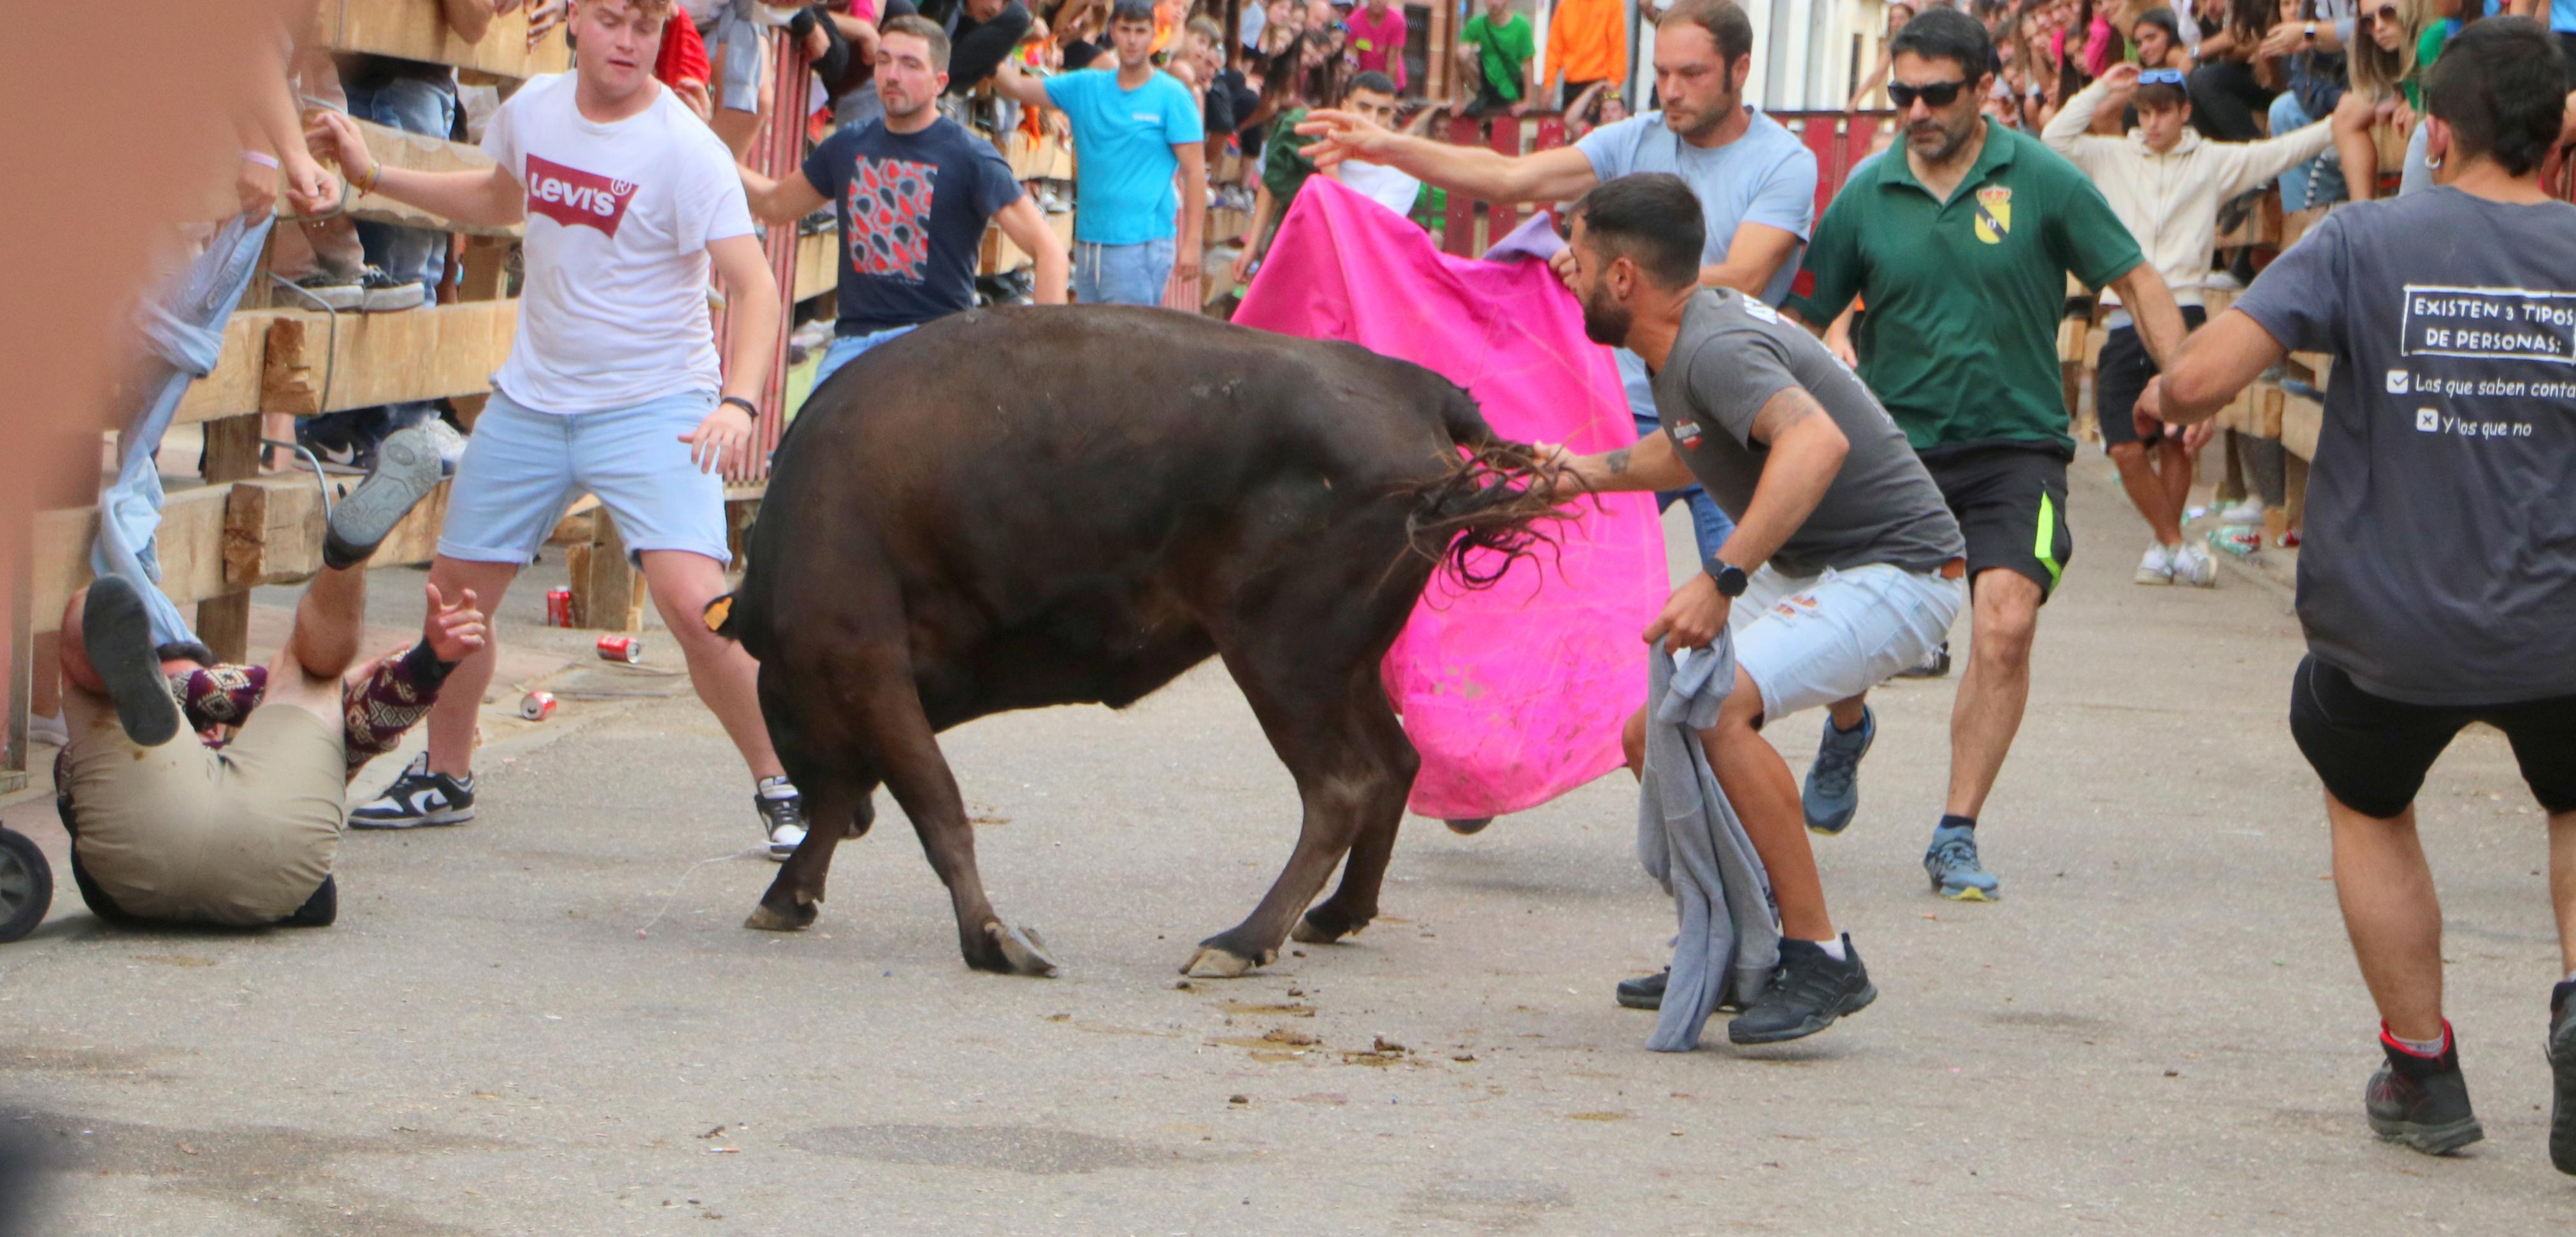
pixel 1953 867
pixel 1833 782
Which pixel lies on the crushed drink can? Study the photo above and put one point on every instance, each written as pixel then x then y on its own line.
pixel 537 706
pixel 628 649
pixel 2241 540
pixel 558 607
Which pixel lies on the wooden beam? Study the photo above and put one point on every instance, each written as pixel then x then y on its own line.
pixel 419 152
pixel 418 30
pixel 388 358
pixel 2301 420
pixel 607 591
pixel 233 387
pixel 818 263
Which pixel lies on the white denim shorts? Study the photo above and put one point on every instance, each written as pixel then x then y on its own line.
pixel 1809 641
pixel 522 468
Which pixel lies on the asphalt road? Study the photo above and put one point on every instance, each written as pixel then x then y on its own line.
pixel 550 1020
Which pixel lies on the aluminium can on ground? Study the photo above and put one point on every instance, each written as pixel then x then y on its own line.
pixel 537 706
pixel 628 649
pixel 558 607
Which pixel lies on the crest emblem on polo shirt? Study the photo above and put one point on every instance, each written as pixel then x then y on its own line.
pixel 1994 214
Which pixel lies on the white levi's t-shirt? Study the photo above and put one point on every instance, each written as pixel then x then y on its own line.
pixel 619 216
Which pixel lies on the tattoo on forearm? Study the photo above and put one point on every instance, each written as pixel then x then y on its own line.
pixel 1617 461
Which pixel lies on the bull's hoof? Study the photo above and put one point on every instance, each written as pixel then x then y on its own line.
pixel 1023 950
pixel 1218 962
pixel 1314 929
pixel 766 918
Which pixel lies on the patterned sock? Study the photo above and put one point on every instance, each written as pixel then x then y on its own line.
pixel 220 695
pixel 375 711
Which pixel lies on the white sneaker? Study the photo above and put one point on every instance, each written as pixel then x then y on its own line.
pixel 48 730
pixel 2158 566
pixel 2192 565
pixel 450 444
pixel 2249 511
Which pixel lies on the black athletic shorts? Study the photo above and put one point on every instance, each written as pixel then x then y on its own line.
pixel 2010 502
pixel 2372 752
pixel 2122 377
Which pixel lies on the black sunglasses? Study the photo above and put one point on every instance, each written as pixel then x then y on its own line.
pixel 1938 94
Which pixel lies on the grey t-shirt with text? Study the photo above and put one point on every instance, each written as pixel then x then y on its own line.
pixel 1732 355
pixel 2439 563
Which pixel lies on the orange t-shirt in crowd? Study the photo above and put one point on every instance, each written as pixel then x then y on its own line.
pixel 1587 41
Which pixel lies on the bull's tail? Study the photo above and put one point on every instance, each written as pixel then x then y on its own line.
pixel 1495 499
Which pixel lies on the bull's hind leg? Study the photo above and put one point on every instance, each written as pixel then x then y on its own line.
pixel 903 747
pixel 1354 903
pixel 1353 766
pixel 825 757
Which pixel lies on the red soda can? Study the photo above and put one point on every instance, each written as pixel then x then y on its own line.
pixel 628 649
pixel 537 706
pixel 558 607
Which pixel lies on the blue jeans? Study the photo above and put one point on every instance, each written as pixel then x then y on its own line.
pixel 2316 183
pixel 1709 525
pixel 848 348
pixel 413 106
pixel 1122 274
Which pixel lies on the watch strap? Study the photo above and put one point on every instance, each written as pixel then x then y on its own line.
pixel 749 408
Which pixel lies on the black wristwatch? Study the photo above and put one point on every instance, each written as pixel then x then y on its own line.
pixel 749 409
pixel 1731 580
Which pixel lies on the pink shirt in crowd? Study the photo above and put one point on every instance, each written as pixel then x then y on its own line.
pixel 1378 44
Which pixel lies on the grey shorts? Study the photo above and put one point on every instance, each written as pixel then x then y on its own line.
pixel 239 836
pixel 737 49
pixel 1809 641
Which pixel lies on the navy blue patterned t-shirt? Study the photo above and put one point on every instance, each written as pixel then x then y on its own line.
pixel 913 209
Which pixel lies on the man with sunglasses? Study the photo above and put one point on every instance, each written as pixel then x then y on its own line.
pixel 2166 183
pixel 1961 244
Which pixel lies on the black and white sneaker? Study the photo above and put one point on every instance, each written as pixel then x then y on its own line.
pixel 419 797
pixel 782 816
pixel 1810 992
pixel 408 466
pixel 380 293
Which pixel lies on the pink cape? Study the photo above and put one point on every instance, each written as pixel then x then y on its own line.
pixel 1516 694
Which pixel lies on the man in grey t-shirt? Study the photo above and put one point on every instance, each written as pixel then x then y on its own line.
pixel 2437 586
pixel 1844 566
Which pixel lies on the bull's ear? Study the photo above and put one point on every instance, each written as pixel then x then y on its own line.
pixel 719 615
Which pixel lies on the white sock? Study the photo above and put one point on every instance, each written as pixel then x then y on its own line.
pixel 2421 1047
pixel 1834 949
pixel 776 787
pixel 2571 978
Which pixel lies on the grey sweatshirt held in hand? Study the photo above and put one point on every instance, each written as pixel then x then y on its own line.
pixel 1690 841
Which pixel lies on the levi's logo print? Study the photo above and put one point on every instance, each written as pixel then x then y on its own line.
pixel 889 205
pixel 1994 214
pixel 575 198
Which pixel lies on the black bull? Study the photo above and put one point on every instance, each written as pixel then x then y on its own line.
pixel 1033 507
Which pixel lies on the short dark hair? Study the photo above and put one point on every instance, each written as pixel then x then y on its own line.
pixel 2501 85
pixel 1371 80
pixel 1947 34
pixel 1131 10
pixel 2160 95
pixel 1652 218
pixel 924 29
pixel 1725 22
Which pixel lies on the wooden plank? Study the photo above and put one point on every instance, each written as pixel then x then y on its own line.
pixel 387 358
pixel 417 30
pixel 818 264
pixel 190 545
pixel 2301 420
pixel 2297 223
pixel 2260 227
pixel 233 387
pixel 607 591
pixel 420 152
pixel 1046 158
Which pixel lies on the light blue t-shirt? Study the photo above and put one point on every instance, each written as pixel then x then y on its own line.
pixel 1766 176
pixel 2562 16
pixel 1122 151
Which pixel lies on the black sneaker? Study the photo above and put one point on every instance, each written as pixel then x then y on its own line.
pixel 419 797
pixel 1645 991
pixel 407 467
pixel 2562 1070
pixel 2421 1103
pixel 782 817
pixel 1933 667
pixel 1811 990
pixel 116 635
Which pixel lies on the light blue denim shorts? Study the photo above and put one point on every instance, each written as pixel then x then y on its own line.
pixel 523 467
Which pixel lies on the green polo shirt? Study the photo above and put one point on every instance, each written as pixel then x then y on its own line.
pixel 1960 341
